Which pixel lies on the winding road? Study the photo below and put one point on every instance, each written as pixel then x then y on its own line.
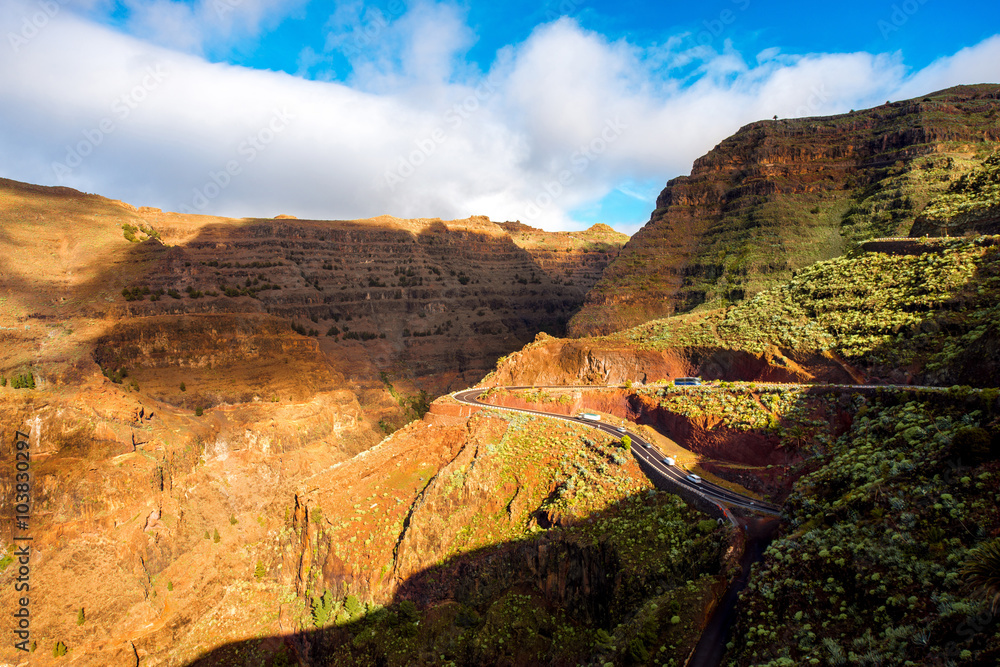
pixel 641 449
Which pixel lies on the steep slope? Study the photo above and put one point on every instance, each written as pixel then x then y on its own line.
pixel 971 205
pixel 570 258
pixel 872 567
pixel 393 307
pixel 780 195
pixel 886 553
pixel 178 534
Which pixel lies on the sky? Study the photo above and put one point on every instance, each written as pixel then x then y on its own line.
pixel 560 114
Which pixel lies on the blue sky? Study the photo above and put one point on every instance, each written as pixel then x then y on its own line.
pixel 560 114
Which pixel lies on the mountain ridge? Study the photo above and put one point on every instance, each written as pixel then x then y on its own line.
pixel 779 195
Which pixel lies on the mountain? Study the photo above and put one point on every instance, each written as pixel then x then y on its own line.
pixel 780 195
pixel 204 402
pixel 425 304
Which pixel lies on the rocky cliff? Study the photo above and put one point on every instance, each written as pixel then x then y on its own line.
pixel 199 311
pixel 780 195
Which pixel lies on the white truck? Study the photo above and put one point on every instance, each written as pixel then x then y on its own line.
pixel 589 416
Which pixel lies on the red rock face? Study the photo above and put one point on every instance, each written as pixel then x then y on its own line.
pixel 771 199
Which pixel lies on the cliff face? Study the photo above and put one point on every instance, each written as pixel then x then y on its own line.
pixel 780 195
pixel 199 311
pixel 569 258
pixel 432 298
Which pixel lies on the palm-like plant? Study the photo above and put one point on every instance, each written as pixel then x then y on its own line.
pixel 982 572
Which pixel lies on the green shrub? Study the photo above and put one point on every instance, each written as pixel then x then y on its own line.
pixel 707 526
pixel 322 609
pixel 81 617
pixel 637 652
pixel 982 572
pixel 260 571
pixel 199 411
pixel 353 606
pixel 59 650
pixel 216 537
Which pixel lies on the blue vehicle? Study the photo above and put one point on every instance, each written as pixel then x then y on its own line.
pixel 687 382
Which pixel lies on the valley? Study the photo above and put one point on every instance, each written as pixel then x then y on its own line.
pixel 300 442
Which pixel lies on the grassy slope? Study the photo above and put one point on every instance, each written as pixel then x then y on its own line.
pixel 873 309
pixel 974 195
pixel 869 569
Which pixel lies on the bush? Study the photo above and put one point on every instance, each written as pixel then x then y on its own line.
pixel 626 442
pixel 707 526
pixel 183 387
pixel 199 411
pixel 260 571
pixel 637 651
pixel 982 572
pixel 232 520
pixel 216 537
pixel 27 381
pixel 59 650
pixel 353 606
pixel 322 609
pixel 81 617
pixel 408 612
pixel 170 585
pixel 115 375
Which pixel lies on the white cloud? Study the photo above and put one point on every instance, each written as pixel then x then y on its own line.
pixel 194 26
pixel 415 131
pixel 974 64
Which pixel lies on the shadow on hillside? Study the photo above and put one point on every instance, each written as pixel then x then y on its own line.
pixel 402 288
pixel 536 601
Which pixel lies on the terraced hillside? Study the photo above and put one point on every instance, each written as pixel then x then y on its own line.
pixel 971 205
pixel 394 307
pixel 780 195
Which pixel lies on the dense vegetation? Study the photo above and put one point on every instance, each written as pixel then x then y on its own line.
pixel 871 568
pixel 977 192
pixel 874 309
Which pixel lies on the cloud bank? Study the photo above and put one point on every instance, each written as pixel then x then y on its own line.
pixel 558 122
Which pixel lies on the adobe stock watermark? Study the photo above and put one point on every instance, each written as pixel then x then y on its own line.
pixel 817 98
pixel 425 147
pixel 714 28
pixel 248 151
pixel 580 161
pixel 366 34
pixel 33 24
pixel 899 16
pixel 121 108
